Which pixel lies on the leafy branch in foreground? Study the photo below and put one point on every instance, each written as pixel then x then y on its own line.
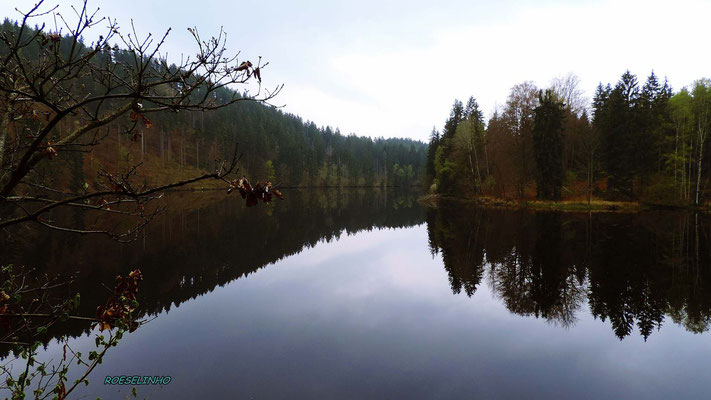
pixel 59 96
pixel 252 194
pixel 63 94
pixel 27 312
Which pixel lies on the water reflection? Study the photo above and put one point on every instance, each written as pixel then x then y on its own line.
pixel 204 241
pixel 632 269
pixel 372 315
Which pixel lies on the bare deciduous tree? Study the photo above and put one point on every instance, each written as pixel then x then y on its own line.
pixel 518 118
pixel 567 88
pixel 58 96
pixel 49 78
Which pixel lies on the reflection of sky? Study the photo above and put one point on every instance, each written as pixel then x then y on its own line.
pixel 372 315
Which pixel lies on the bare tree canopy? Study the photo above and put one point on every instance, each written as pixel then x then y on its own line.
pixel 567 88
pixel 57 92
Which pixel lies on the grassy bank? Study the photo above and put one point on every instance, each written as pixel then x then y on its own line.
pixel 596 205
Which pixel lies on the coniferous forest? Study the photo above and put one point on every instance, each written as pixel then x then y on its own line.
pixel 635 142
pixel 275 145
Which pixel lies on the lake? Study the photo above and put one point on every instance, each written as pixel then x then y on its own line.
pixel 359 293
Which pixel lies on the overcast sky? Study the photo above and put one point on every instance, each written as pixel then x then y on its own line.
pixel 393 69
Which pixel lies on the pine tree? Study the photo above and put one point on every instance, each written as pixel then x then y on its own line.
pixel 618 127
pixel 548 145
pixel 456 116
pixel 445 172
pixel 431 150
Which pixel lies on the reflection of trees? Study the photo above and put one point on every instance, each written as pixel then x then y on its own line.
pixel 461 246
pixel 631 269
pixel 197 247
pixel 533 279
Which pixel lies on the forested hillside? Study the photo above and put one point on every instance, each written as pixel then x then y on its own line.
pixel 641 142
pixel 276 146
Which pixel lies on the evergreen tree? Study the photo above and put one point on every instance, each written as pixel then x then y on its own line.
pixel 469 144
pixel 446 171
pixel 472 111
pixel 431 150
pixel 548 145
pixel 654 122
pixel 617 124
pixel 456 116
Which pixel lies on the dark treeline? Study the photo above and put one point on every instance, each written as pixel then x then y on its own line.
pixel 303 154
pixel 636 142
pixel 203 242
pixel 277 146
pixel 635 270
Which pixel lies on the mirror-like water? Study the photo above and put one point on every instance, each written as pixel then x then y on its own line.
pixel 364 294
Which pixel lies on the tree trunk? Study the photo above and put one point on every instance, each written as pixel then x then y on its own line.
pixel 698 170
pixel 486 159
pixel 4 128
pixel 143 145
pixel 162 146
pixel 472 149
pixel 478 173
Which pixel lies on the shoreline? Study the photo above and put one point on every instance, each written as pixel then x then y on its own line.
pixel 596 205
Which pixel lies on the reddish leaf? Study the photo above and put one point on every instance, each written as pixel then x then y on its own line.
pixel 244 66
pixel 145 121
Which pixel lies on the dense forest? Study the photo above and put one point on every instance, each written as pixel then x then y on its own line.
pixel 283 148
pixel 276 145
pixel 640 142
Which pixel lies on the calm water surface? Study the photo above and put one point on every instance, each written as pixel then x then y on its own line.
pixel 364 294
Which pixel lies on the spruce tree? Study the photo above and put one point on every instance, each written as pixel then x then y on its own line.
pixel 548 145
pixel 431 151
pixel 618 127
pixel 446 172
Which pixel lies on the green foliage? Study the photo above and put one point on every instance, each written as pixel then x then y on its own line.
pixel 616 123
pixel 431 151
pixel 456 157
pixel 468 147
pixel 445 172
pixel 403 175
pixel 271 173
pixel 53 375
pixel 634 125
pixel 661 192
pixel 570 177
pixel 490 182
pixel 456 116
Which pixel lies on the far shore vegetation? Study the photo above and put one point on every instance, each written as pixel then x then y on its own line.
pixel 635 146
pixel 595 205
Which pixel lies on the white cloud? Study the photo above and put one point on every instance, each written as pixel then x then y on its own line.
pixel 395 70
pixel 415 86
